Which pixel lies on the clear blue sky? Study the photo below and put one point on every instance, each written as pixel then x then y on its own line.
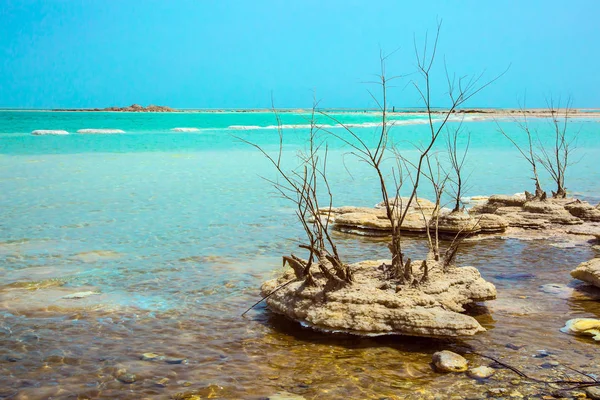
pixel 225 53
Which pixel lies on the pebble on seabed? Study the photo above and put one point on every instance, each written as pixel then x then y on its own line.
pixel 285 396
pixel 593 392
pixel 151 357
pixel 127 377
pixel 481 372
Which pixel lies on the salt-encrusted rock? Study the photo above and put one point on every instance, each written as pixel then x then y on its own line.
pixel 416 204
pixel 334 211
pixel 536 214
pixel 503 200
pixel 414 223
pixel 543 207
pixel 100 131
pixel 363 220
pixel 375 221
pixel 456 223
pixel 583 210
pixel 491 223
pixel 374 304
pixel 447 361
pixel 481 372
pixel 589 229
pixel 507 210
pixel 564 218
pixel 39 132
pixel 80 295
pixel 479 198
pixel 583 327
pixel 526 220
pixel 588 271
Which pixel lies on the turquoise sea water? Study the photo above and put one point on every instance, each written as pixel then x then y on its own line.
pixel 177 231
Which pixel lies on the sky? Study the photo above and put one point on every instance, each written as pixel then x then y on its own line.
pixel 237 54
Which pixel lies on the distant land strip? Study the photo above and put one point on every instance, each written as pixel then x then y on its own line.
pixel 490 112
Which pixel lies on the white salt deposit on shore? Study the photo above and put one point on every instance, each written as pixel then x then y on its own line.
pixel 185 130
pixel 40 132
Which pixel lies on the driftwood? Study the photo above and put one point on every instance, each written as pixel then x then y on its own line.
pixel 578 384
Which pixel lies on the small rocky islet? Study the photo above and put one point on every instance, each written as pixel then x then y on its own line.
pixel 433 303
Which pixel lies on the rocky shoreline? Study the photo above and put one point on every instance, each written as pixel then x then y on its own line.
pixel 131 108
pixel 498 216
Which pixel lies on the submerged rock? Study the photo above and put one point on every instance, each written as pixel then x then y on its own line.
pixel 583 327
pixel 593 392
pixel 447 361
pixel 207 392
pixel 374 304
pixel 80 295
pixel 176 360
pixel 162 383
pixel 151 357
pixel 588 271
pixel 285 396
pixel 127 377
pixel 481 372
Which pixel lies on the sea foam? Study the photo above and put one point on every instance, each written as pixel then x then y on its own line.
pixel 39 132
pixel 100 131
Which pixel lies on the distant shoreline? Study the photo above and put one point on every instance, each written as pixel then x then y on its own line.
pixel 483 113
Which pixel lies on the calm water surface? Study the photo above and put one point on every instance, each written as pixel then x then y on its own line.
pixel 176 232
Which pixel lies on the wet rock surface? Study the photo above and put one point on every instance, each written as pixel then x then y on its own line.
pixel 583 327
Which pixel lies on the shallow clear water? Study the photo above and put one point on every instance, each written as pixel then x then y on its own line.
pixel 177 231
